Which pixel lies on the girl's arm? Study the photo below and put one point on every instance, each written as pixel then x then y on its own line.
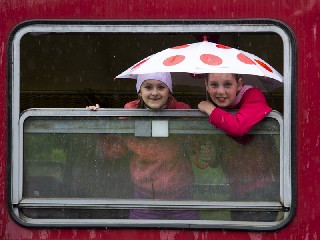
pixel 112 147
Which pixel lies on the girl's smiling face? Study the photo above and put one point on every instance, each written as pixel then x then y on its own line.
pixel 223 88
pixel 154 93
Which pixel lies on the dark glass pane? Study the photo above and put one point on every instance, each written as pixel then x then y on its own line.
pixel 142 158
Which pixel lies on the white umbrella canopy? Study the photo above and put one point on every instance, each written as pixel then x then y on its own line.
pixel 204 57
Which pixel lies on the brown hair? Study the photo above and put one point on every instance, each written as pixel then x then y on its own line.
pixel 236 75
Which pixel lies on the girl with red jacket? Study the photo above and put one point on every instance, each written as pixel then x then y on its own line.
pixel 160 167
pixel 244 160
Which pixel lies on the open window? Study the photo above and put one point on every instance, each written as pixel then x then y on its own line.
pixel 74 167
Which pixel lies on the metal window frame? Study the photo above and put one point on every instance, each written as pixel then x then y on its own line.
pixel 83 203
pixel 263 25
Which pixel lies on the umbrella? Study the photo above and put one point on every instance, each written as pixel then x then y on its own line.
pixel 206 57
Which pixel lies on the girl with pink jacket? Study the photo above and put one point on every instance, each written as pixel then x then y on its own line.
pixel 247 160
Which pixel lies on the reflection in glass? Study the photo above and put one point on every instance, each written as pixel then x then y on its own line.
pixel 109 158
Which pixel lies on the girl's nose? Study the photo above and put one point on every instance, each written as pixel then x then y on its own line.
pixel 154 91
pixel 220 90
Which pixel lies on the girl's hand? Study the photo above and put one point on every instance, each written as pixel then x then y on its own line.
pixel 206 156
pixel 205 153
pixel 206 107
pixel 200 160
pixel 93 108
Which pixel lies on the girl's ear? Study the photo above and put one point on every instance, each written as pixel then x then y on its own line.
pixel 240 84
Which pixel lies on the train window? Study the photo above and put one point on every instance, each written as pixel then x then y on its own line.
pixel 75 167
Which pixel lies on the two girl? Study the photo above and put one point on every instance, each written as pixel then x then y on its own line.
pixel 160 168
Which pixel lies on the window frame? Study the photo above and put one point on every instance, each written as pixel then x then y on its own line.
pixel 14 140
pixel 92 203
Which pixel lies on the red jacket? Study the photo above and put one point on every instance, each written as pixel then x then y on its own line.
pixel 171 104
pixel 159 167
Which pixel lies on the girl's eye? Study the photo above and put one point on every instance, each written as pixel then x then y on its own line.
pixel 228 84
pixel 214 85
pixel 161 87
pixel 148 87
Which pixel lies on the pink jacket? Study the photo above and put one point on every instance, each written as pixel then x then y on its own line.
pixel 252 107
pixel 159 167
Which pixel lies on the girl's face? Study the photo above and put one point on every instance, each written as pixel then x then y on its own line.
pixel 223 88
pixel 154 93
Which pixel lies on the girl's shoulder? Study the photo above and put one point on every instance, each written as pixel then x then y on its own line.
pixel 174 104
pixel 132 104
pixel 253 92
pixel 182 105
pixel 255 96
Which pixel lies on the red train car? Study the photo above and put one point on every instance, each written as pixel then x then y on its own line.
pixel 57 57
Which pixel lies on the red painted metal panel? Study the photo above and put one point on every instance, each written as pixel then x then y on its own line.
pixel 301 16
